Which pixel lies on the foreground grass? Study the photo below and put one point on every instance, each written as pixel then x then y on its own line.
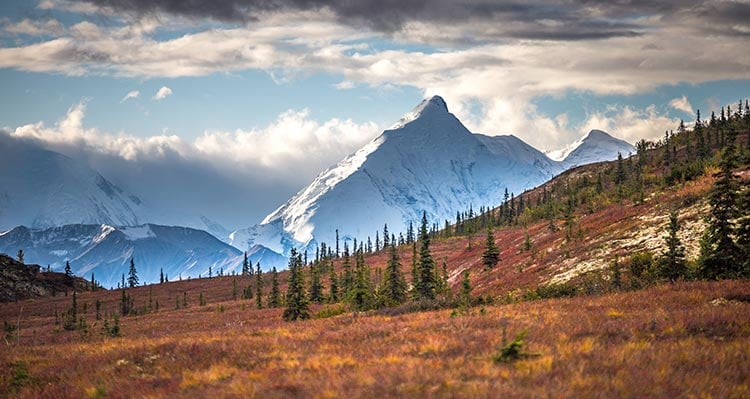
pixel 682 340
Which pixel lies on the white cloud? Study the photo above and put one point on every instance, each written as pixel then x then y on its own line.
pixel 163 93
pixel 500 79
pixel 632 124
pixel 35 28
pixel 131 94
pixel 682 104
pixel 294 146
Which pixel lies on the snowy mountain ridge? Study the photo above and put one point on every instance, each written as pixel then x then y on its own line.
pixel 427 161
pixel 106 251
pixel 44 188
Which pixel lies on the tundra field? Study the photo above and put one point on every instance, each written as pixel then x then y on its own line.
pixel 673 340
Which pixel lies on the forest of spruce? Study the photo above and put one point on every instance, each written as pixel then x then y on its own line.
pixel 495 302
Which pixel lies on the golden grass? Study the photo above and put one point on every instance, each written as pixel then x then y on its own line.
pixel 667 341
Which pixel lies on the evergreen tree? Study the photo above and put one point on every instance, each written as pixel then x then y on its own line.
pixel 337 243
pixel 161 276
pixel 385 236
pixel 426 268
pixel 93 282
pixel 743 231
pixel 673 260
pixel 348 276
pixel 361 294
pixel 316 287
pixel 334 286
pixel 20 255
pixel 414 271
pixel 491 254
pixel 720 255
pixel 464 295
pixel 132 274
pixel 247 293
pixel 296 297
pixel 258 286
pixel 245 266
pixel 68 271
pixel 274 299
pixel 394 290
pixel 410 233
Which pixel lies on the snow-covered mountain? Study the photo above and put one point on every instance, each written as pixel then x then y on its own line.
pixel 106 251
pixel 43 188
pixel 595 146
pixel 428 161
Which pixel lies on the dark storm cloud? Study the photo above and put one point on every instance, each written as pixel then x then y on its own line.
pixel 512 19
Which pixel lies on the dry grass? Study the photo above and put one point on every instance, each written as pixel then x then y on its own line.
pixel 682 340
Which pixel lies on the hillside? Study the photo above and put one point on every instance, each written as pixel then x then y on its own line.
pixel 19 281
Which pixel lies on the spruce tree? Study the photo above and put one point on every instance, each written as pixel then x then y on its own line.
pixel 296 297
pixel 720 255
pixel 274 299
pixel 337 243
pixel 245 266
pixel 385 236
pixel 334 286
pixel 673 260
pixel 426 268
pixel 161 276
pixel 395 283
pixel 347 280
pixel 20 256
pixel 491 254
pixel 258 286
pixel 465 293
pixel 743 231
pixel 132 274
pixel 316 287
pixel 68 271
pixel 361 295
pixel 414 269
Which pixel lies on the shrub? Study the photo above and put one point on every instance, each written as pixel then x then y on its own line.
pixel 513 351
pixel 331 311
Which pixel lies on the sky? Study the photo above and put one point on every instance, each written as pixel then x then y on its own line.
pixel 266 94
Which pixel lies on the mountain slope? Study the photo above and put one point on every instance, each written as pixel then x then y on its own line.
pixel 428 161
pixel 106 250
pixel 42 188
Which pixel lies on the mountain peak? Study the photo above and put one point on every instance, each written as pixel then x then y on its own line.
pixel 434 105
pixel 597 134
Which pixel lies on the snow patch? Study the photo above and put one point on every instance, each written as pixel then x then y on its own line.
pixel 104 231
pixel 138 232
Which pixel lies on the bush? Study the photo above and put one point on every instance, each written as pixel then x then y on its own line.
pixel 331 311
pixel 565 290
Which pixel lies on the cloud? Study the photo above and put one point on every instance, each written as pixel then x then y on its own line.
pixel 34 28
pixel 131 94
pixel 534 19
pixel 631 124
pixel 476 19
pixel 163 93
pixel 682 104
pixel 488 60
pixel 302 145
